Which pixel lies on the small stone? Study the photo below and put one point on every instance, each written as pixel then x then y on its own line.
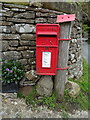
pixel 14 43
pixel 40 20
pixel 5 45
pixel 27 54
pixel 28 37
pixel 74 88
pixel 31 75
pixel 23 61
pixel 72 56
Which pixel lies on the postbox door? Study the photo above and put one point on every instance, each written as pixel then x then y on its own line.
pixel 47 62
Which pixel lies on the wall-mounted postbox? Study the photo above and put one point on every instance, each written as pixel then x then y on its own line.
pixel 47 48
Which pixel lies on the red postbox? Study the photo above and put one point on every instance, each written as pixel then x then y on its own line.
pixel 47 48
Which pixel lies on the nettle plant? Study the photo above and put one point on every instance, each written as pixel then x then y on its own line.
pixel 12 71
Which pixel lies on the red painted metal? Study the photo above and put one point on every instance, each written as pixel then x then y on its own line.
pixel 65 18
pixel 46 48
pixel 63 68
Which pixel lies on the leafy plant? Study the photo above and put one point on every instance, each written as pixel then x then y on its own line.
pixel 85 28
pixel 12 71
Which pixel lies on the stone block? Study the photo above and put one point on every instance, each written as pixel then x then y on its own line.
pixel 15 6
pixel 4 23
pixel 5 29
pixel 13 29
pixel 20 20
pixel 27 54
pixel 27 67
pixel 12 48
pixel 28 36
pixel 10 36
pixel 26 15
pixel 39 14
pixel 52 20
pixel 18 9
pixel 40 20
pixel 11 55
pixel 13 43
pixel 6 13
pixel 24 28
pixel 2 18
pixel 31 75
pixel 27 43
pixel 23 61
pixel 5 45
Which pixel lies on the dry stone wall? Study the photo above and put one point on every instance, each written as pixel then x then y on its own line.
pixel 17 27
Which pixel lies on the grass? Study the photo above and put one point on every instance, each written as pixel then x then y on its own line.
pixel 69 103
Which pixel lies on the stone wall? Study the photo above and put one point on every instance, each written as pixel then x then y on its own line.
pixel 17 27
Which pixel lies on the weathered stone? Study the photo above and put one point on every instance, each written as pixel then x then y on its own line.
pixel 44 86
pixel 2 18
pixel 23 48
pixel 11 55
pixel 74 88
pixel 27 67
pixel 39 14
pixel 74 40
pixel 20 48
pixel 15 6
pixel 27 43
pixel 72 56
pixel 24 28
pixel 28 54
pixel 23 61
pixel 10 36
pixel 31 75
pixel 18 10
pixel 5 45
pixel 28 37
pixel 12 48
pixel 29 83
pixel 32 61
pixel 52 20
pixel 32 48
pixel 14 43
pixel 5 29
pixel 19 20
pixel 6 13
pixel 40 20
pixel 13 29
pixel 6 23
pixel 26 15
